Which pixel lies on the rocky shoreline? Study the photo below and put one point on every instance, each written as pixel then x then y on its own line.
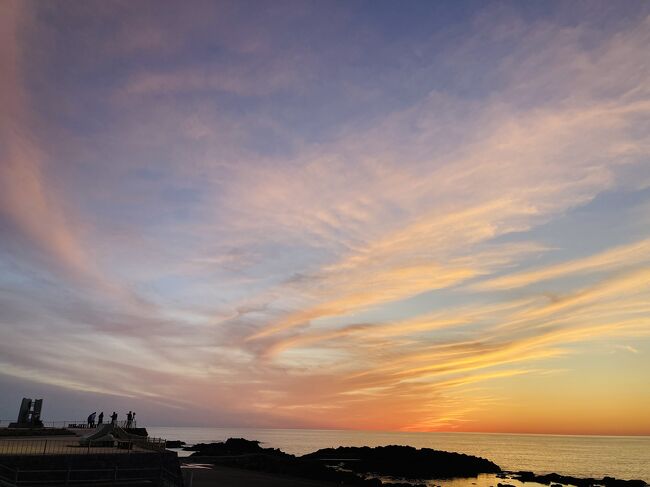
pixel 361 466
pixel 554 479
pixel 405 462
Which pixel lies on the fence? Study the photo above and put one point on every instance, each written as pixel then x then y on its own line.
pixel 147 443
pixel 77 424
pixel 71 446
pixel 112 476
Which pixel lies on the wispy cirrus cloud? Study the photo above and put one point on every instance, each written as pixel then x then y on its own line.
pixel 27 200
pixel 430 239
pixel 626 255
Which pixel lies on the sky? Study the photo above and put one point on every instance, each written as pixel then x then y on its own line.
pixel 415 216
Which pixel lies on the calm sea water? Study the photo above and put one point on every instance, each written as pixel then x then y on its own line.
pixel 624 457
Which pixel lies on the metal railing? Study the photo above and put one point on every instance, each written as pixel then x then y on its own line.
pixel 84 424
pixel 72 446
pixel 70 476
pixel 76 424
pixel 147 443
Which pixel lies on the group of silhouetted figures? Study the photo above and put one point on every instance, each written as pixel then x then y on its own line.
pixel 130 419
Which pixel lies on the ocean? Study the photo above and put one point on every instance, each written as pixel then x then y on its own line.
pixel 623 457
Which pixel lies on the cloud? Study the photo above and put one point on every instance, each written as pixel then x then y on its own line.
pixel 626 348
pixel 26 198
pixel 314 232
pixel 40 219
pixel 625 255
pixel 481 343
pixel 364 287
pixel 548 186
pixel 248 80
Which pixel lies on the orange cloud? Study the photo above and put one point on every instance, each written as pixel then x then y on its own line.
pixel 624 255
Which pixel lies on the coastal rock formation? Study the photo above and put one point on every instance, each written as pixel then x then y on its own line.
pixel 249 455
pixel 233 446
pixel 405 461
pixel 175 444
pixel 554 478
pixel 357 466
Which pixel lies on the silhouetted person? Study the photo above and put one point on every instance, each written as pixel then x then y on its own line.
pixel 133 418
pixel 100 418
pixel 129 419
pixel 113 417
pixel 91 419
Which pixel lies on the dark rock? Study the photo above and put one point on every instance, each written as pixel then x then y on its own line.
pixel 552 479
pixel 504 485
pixel 612 482
pixel 232 446
pixel 249 455
pixel 289 465
pixel 175 444
pixel 524 476
pixel 405 461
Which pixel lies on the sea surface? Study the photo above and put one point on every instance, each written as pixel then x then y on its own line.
pixel 623 457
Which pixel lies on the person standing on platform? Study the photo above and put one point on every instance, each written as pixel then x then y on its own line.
pixel 129 419
pixel 113 418
pixel 100 419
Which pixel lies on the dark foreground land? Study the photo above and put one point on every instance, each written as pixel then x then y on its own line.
pixel 242 463
pixel 237 477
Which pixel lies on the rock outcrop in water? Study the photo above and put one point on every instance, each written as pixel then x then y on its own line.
pixel 175 444
pixel 233 446
pixel 355 466
pixel 554 478
pixel 249 455
pixel 406 461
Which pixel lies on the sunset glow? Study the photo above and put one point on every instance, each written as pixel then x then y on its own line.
pixel 419 216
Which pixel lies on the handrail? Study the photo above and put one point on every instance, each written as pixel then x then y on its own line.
pixel 146 442
pixel 8 478
pixel 74 423
pixel 71 446
pixel 146 473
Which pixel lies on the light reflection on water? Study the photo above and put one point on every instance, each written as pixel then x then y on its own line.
pixel 483 480
pixel 624 457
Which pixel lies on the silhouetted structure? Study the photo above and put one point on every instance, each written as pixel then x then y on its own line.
pixel 29 415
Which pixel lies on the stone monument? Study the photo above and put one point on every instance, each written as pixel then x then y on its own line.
pixel 29 415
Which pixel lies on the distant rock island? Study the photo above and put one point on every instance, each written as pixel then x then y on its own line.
pixel 233 446
pixel 345 465
pixel 554 478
